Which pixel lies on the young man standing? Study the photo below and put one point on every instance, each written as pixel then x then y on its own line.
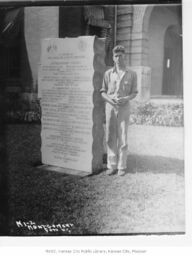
pixel 118 88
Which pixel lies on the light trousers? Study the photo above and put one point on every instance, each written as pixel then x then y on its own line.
pixel 117 122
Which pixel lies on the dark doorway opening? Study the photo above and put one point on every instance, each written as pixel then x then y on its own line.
pixel 172 73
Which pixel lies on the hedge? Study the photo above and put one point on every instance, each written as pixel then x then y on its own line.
pixel 141 113
pixel 158 115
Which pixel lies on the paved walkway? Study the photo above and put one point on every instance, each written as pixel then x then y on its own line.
pixel 156 141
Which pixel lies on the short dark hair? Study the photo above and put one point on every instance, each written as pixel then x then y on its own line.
pixel 119 48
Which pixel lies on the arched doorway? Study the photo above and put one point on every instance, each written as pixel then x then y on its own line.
pixel 165 50
pixel 172 73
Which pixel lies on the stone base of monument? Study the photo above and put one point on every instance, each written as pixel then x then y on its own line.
pixel 63 170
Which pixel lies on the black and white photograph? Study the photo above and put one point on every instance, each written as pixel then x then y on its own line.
pixel 92 119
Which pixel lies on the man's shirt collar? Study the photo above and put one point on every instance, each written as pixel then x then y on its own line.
pixel 114 70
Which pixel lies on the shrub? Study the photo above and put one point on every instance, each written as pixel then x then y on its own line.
pixel 153 114
pixel 25 112
pixel 141 113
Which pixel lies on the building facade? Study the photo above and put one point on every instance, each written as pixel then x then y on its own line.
pixel 151 34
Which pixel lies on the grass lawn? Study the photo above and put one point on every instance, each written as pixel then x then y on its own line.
pixel 148 199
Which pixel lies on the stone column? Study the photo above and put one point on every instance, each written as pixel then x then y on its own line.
pixel 139 51
pixel 143 82
pixel 132 34
pixel 124 29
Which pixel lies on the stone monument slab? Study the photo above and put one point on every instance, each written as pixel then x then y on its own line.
pixel 70 77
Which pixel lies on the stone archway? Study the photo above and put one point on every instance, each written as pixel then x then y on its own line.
pixel 150 23
pixel 160 19
pixel 139 49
